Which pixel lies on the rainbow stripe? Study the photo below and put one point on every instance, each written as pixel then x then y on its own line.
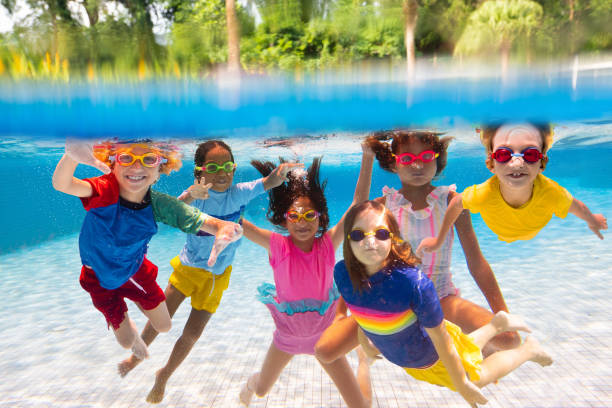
pixel 382 323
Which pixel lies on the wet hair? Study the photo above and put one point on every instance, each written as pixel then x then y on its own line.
pixel 283 196
pixel 105 150
pixel 401 252
pixel 488 131
pixel 379 143
pixel 201 152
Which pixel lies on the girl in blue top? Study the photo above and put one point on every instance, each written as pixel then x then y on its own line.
pixel 194 275
pixel 399 314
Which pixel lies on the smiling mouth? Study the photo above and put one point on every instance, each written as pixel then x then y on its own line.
pixel 135 178
pixel 517 175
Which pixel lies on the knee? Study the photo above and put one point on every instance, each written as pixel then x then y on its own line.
pixel 162 327
pixel 324 353
pixel 191 336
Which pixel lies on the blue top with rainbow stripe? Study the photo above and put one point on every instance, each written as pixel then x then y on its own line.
pixel 394 311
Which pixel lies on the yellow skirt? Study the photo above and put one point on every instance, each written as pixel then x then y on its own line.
pixel 469 353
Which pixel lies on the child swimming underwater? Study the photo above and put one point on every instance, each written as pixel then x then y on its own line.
pixel 121 219
pixel 213 193
pixel 517 201
pixel 303 300
pixel 399 313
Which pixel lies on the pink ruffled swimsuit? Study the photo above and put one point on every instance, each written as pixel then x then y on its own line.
pixel 419 224
pixel 303 300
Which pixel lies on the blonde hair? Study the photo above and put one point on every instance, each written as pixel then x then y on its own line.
pixel 487 133
pixel 105 150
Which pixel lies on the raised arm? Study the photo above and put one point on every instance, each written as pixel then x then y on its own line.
pixel 225 232
pixel 477 264
pixel 258 235
pixel 450 359
pixel 432 244
pixel 362 192
pixel 596 222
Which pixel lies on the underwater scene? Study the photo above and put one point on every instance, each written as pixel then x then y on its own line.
pixel 56 349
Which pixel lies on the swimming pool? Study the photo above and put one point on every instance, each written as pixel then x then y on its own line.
pixel 55 349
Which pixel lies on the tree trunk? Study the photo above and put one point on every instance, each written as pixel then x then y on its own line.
pixel 505 57
pixel 233 37
pixel 410 11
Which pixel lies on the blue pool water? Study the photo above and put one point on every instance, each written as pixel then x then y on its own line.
pixel 55 349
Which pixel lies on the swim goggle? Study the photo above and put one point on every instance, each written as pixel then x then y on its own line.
pixel 148 159
pixel 212 168
pixel 425 156
pixel 381 234
pixel 294 216
pixel 530 155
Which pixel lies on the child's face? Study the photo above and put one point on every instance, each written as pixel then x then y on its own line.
pixel 302 230
pixel 135 179
pixel 370 251
pixel 416 173
pixel 221 180
pixel 517 173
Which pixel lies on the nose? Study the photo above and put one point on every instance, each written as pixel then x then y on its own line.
pixel 517 161
pixel 417 164
pixel 137 163
pixel 369 241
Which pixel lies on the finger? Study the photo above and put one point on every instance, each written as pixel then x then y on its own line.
pixel 102 167
pixel 599 234
pixel 207 186
pixel 218 246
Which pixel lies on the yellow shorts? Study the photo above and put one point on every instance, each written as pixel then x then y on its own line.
pixel 469 353
pixel 204 288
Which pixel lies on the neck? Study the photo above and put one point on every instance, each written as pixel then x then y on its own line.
pixel 516 197
pixel 133 197
pixel 306 245
pixel 417 195
pixel 373 269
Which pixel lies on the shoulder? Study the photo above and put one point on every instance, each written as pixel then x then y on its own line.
pixel 549 189
pixel 105 191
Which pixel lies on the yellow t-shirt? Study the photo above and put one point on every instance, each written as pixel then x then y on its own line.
pixel 525 222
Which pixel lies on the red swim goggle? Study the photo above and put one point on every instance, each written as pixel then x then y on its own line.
pixel 425 156
pixel 504 155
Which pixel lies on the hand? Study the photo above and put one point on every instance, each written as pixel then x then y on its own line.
pixel 227 232
pixel 199 191
pixel 471 393
pixel 368 348
pixel 429 244
pixel 81 151
pixel 366 149
pixel 600 223
pixel 279 174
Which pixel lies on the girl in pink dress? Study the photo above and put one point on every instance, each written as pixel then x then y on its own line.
pixel 303 300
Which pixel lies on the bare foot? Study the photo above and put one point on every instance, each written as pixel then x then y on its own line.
pixel 540 356
pixel 505 322
pixel 139 349
pixel 156 395
pixel 128 365
pixel 246 394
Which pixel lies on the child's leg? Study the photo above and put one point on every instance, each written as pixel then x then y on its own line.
pixel 191 333
pixel 500 323
pixel 337 340
pixel 356 392
pixel 174 298
pixel 501 363
pixel 127 336
pixel 260 383
pixel 470 316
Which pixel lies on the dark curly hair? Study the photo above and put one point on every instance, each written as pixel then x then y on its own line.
pixel 384 152
pixel 283 196
pixel 203 149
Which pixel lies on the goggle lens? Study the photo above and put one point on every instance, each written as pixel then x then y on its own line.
pixel 380 234
pixel 408 158
pixel 294 216
pixel 147 159
pixel 212 168
pixel 530 155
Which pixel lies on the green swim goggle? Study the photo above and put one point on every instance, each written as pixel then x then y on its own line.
pixel 212 168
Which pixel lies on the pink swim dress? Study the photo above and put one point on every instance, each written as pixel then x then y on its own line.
pixel 303 300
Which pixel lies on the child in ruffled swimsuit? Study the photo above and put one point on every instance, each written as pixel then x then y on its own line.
pixel 303 300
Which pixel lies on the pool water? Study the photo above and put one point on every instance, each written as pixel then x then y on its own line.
pixel 55 349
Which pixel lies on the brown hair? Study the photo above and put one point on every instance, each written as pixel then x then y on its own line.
pixel 378 142
pixel 487 133
pixel 401 252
